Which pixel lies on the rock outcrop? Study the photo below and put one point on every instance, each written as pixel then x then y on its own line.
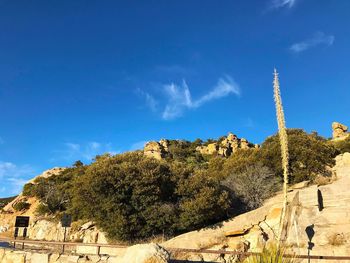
pixel 340 131
pixel 226 147
pixel 146 253
pixel 157 150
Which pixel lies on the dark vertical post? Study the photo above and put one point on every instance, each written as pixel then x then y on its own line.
pixel 16 235
pixel 64 239
pixel 24 236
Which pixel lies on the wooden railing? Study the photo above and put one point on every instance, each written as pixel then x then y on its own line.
pixel 170 249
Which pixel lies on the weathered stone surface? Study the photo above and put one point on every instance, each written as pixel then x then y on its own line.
pixel 11 256
pixel 39 258
pixel 165 144
pixel 157 150
pixel 146 253
pixel 244 144
pixel 339 130
pixel 212 148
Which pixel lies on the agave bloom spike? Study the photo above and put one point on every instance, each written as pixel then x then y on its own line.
pixel 284 148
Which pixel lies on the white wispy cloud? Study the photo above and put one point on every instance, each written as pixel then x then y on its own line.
pixel 319 38
pixel 13 177
pixel 85 152
pixel 276 4
pixel 179 96
pixel 151 102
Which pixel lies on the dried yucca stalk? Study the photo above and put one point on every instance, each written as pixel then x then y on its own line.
pixel 284 148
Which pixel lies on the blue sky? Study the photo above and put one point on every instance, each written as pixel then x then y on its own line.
pixel 79 78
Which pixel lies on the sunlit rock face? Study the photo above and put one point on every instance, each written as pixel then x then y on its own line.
pixel 156 150
pixel 226 147
pixel 340 131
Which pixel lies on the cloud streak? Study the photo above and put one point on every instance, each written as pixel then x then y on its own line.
pixel 179 98
pixel 276 4
pixel 151 102
pixel 13 177
pixel 319 38
pixel 85 152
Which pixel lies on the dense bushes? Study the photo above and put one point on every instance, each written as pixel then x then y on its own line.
pixel 54 192
pixel 131 196
pixel 309 155
pixel 342 145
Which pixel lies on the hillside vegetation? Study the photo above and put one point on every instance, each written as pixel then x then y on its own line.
pixel 5 201
pixel 131 196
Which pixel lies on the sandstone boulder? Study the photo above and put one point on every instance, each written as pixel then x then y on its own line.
pixel 146 253
pixel 244 144
pixel 212 148
pixel 154 149
pixel 165 144
pixel 339 130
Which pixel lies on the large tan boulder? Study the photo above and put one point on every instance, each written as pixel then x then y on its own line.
pixel 231 137
pixel 146 253
pixel 244 144
pixel 154 149
pixel 212 148
pixel 339 130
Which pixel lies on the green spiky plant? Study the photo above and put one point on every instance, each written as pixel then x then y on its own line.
pixel 271 254
pixel 284 149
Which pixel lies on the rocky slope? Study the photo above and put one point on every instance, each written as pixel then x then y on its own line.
pixel 46 228
pixel 329 221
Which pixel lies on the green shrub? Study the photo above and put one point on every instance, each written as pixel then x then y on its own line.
pixel 342 145
pixel 42 210
pixel 29 190
pixel 309 155
pixel 21 206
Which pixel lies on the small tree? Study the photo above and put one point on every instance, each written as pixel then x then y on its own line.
pixel 253 185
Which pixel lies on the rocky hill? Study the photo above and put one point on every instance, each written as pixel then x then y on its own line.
pixel 246 231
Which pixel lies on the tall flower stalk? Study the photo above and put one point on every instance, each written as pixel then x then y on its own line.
pixel 284 148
